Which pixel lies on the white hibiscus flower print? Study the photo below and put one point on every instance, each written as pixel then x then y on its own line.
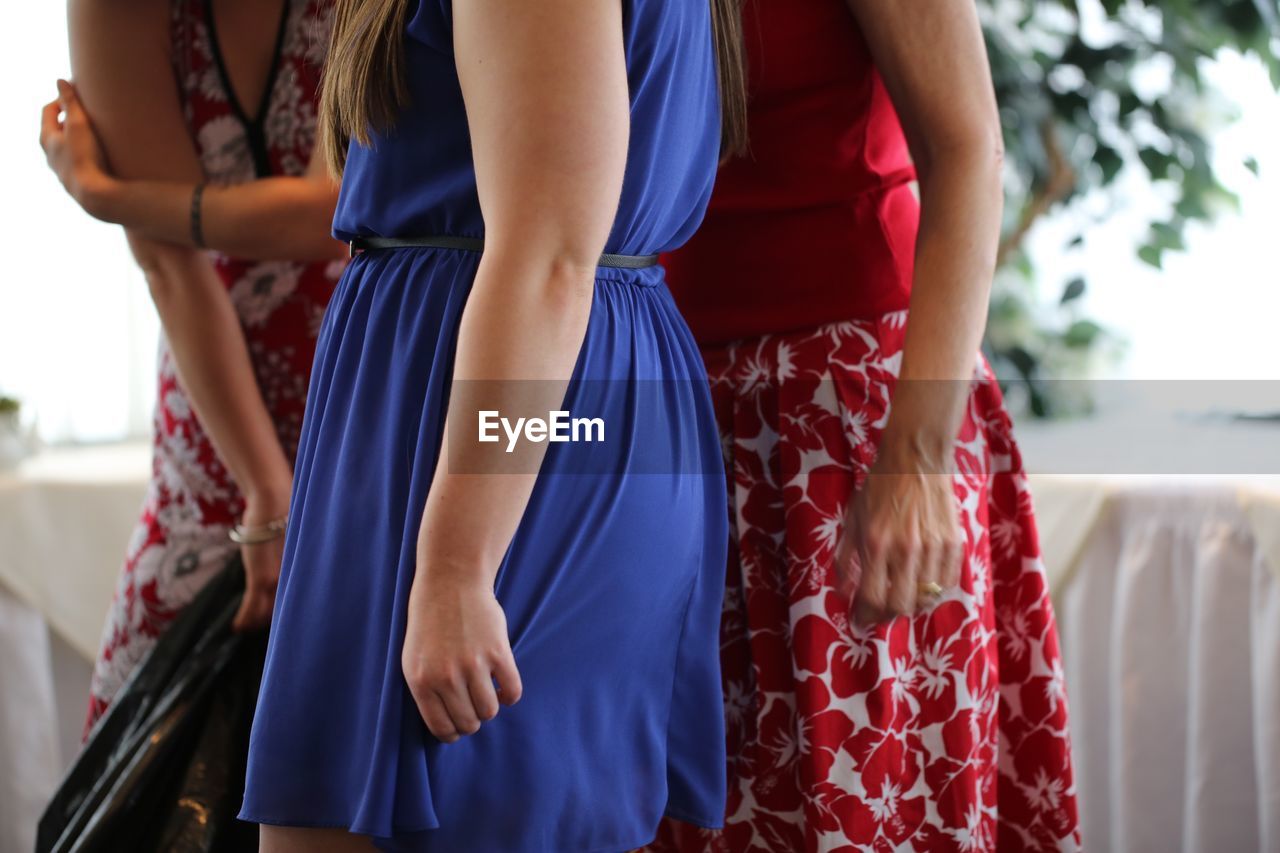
pixel 262 289
pixel 224 150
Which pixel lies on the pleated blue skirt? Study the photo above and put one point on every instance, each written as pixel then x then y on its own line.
pixel 612 588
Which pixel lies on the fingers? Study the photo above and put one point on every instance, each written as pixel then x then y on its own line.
pixel 248 605
pixel 873 590
pixel 255 610
pixel 903 575
pixel 242 614
pixel 953 553
pixel 847 559
pixel 435 690
pixel 433 712
pixel 484 698
pixel 71 104
pixel 456 702
pixel 67 96
pixel 50 127
pixel 865 615
pixel 940 566
pixel 261 577
pixel 508 677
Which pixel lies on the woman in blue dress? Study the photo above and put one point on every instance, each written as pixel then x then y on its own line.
pixel 429 575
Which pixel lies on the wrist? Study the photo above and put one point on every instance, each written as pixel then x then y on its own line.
pixel 266 501
pixel 99 194
pixel 453 573
pixel 442 562
pixel 916 451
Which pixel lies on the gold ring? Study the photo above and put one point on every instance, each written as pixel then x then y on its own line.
pixel 930 589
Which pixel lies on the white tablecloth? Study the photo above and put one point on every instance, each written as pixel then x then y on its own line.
pixel 1167 592
pixel 65 517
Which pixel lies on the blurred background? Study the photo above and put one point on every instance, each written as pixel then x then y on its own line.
pixel 1143 198
pixel 1135 321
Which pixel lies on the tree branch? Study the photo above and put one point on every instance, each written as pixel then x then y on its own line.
pixel 1062 179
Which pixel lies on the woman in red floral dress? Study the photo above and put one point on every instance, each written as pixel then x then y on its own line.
pixel 241 272
pixel 891 671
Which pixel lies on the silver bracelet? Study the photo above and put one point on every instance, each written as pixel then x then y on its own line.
pixel 256 534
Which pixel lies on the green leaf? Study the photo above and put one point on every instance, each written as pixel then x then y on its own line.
pixel 1074 290
pixel 1166 235
pixel 1151 255
pixel 1130 103
pixel 1024 362
pixel 1109 161
pixel 1191 206
pixel 1081 333
pixel 1157 162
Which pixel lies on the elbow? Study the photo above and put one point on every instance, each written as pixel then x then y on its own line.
pixel 975 149
pixel 563 275
pixel 160 281
pixel 317 218
pixel 162 267
pixel 309 248
pixel 331 249
pixel 566 282
pixel 573 275
pixel 161 284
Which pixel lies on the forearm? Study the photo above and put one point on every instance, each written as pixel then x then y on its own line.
pixel 518 343
pixel 285 218
pixel 955 258
pixel 549 193
pixel 212 359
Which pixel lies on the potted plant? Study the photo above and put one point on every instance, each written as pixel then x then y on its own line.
pixel 13 445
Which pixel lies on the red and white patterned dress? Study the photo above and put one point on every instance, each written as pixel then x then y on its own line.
pixel 180 541
pixel 946 731
pixel 943 731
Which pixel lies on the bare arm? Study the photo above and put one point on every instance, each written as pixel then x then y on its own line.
pixel 119 51
pixel 902 524
pixel 281 217
pixel 934 64
pixel 547 102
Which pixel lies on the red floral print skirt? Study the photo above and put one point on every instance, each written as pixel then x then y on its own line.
pixel 942 731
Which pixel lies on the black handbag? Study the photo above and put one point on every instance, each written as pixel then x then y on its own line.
pixel 163 769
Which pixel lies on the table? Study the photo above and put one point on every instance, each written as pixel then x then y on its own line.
pixel 1167 593
pixel 65 517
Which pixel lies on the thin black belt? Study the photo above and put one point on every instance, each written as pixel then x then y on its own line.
pixel 476 244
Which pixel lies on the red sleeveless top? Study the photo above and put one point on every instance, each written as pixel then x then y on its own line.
pixel 817 222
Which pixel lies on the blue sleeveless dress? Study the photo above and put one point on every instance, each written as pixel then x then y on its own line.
pixel 613 583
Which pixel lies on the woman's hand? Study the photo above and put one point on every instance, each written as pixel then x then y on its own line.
pixel 455 646
pixel 74 153
pixel 261 565
pixel 901 535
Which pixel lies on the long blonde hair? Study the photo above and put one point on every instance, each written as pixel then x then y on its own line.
pixel 364 84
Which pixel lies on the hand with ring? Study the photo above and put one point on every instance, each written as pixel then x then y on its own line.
pixel 902 545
